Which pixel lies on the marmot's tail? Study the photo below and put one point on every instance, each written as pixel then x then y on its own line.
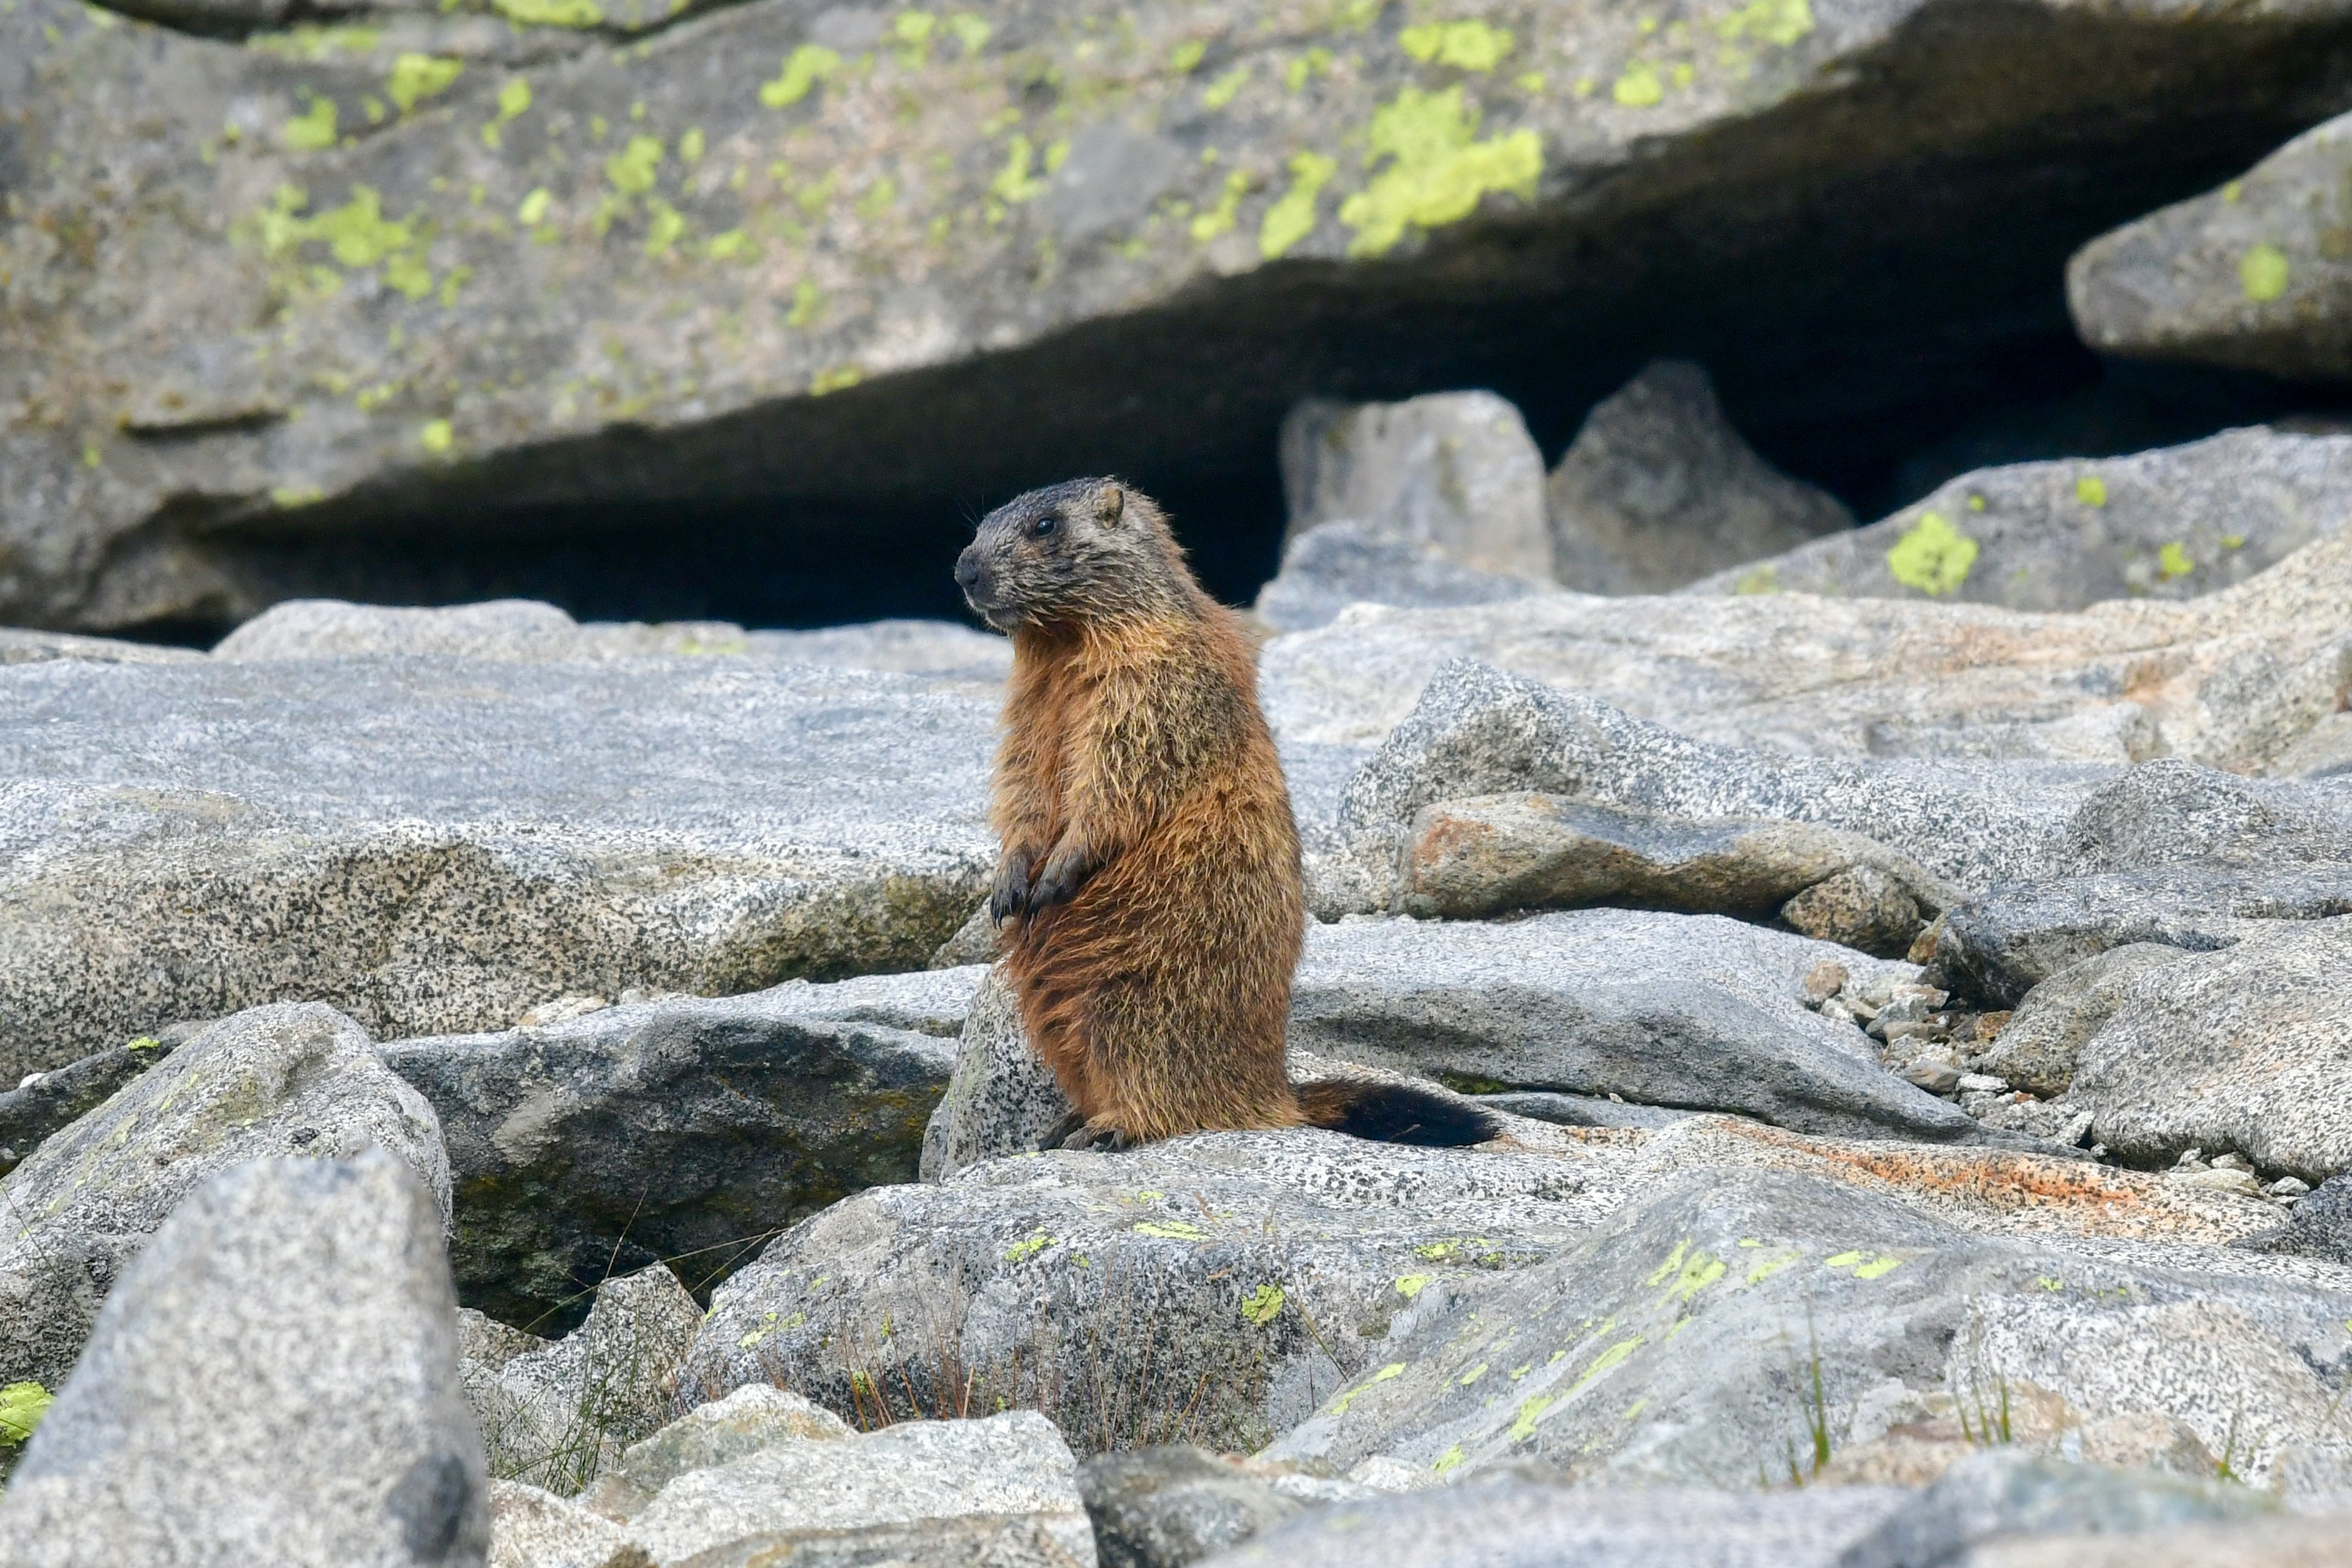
pixel 1394 1113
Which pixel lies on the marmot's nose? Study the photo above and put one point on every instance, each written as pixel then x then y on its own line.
pixel 967 569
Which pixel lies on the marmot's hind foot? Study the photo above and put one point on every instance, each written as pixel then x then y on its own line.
pixel 1101 1138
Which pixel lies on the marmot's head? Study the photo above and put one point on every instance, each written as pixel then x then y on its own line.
pixel 1080 550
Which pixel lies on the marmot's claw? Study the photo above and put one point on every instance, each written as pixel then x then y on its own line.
pixel 1059 882
pixel 1010 895
pixel 1064 1131
pixel 1101 1138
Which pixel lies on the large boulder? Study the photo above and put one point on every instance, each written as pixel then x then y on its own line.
pixel 2252 275
pixel 2247 671
pixel 275 1380
pixel 1658 488
pixel 1733 1325
pixel 437 845
pixel 2171 523
pixel 685 1128
pixel 1335 564
pixel 278 302
pixel 295 1080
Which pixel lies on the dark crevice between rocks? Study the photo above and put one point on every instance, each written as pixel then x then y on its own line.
pixel 1873 274
pixel 231 21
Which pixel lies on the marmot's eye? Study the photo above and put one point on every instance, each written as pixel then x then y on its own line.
pixel 1043 526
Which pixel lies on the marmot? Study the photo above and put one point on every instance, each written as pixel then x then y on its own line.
pixel 1150 865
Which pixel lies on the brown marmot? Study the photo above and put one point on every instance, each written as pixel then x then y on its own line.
pixel 1150 865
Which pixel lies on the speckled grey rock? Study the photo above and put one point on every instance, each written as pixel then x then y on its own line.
pixel 43 1102
pixel 1533 1522
pixel 2171 810
pixel 558 1415
pixel 1000 1490
pixel 1477 730
pixel 1171 1505
pixel 295 1079
pixel 1471 858
pixel 1998 946
pixel 528 631
pixel 1695 1011
pixel 2246 1049
pixel 1658 488
pixel 2041 1046
pixel 1456 471
pixel 533 1528
pixel 2171 523
pixel 20 646
pixel 1335 564
pixel 751 1418
pixel 438 845
pixel 1213 1289
pixel 2250 669
pixel 1001 1099
pixel 1581 1109
pixel 2325 752
pixel 1680 1341
pixel 2251 275
pixel 1861 907
pixel 274 1381
pixel 2320 1226
pixel 686 1128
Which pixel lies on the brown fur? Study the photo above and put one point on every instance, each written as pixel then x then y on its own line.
pixel 1147 828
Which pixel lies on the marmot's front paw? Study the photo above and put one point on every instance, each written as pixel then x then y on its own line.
pixel 1063 875
pixel 1012 893
pixel 1101 1138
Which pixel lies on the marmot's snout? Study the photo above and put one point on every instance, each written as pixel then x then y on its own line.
pixel 971 576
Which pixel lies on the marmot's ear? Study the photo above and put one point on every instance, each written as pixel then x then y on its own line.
pixel 1110 504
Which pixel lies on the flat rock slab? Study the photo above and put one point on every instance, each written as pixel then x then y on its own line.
pixel 1691 1012
pixel 274 1381
pixel 294 1080
pixel 688 1128
pixel 1683 1342
pixel 2171 523
pixel 437 845
pixel 2250 275
pixel 2248 670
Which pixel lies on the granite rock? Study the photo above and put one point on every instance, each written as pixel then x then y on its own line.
pixel 1335 564
pixel 437 845
pixel 752 1417
pixel 274 1380
pixel 2171 523
pixel 1658 488
pixel 533 1528
pixel 686 1128
pixel 2041 1044
pixel 295 1080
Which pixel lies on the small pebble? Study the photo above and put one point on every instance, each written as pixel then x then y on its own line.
pixel 1982 1083
pixel 2288 1187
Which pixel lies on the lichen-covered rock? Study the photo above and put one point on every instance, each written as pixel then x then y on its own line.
pixel 1001 1099
pixel 2247 1049
pixel 1002 1489
pixel 686 1128
pixel 295 1079
pixel 437 845
pixel 2171 523
pixel 274 1380
pixel 1734 1324
pixel 264 294
pixel 2249 671
pixel 558 1416
pixel 1658 488
pixel 1335 564
pixel 43 1102
pixel 2252 275
pixel 1453 471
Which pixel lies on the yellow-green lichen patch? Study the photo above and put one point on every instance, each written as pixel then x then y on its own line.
pixel 1448 1460
pixel 632 168
pixel 1292 217
pixel 2233 190
pixel 1697 1272
pixel 1393 1369
pixel 314 43
pixel 1781 22
pixel 1219 219
pixel 1470 46
pixel 1607 1359
pixel 2172 561
pixel 664 228
pixel 691 145
pixel 971 30
pixel 533 210
pixel 287 497
pixel 1412 1285
pixel 1023 1251
pixel 2233 541
pixel 550 13
pixel 878 197
pixel 418 77
pixel 1261 1305
pixel 1764 579
pixel 22 1405
pixel 803 69
pixel 1531 1411
pixel 1769 1267
pixel 1639 87
pixel 1220 92
pixel 514 98
pixel 2091 490
pixel 1473 1375
pixel 1015 182
pixel 912 32
pixel 2263 273
pixel 807 299
pixel 1866 1265
pixel 1171 1229
pixel 1314 62
pixel 437 436
pixel 1185 58
pixel 1933 557
pixel 1437 171
pixel 313 129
